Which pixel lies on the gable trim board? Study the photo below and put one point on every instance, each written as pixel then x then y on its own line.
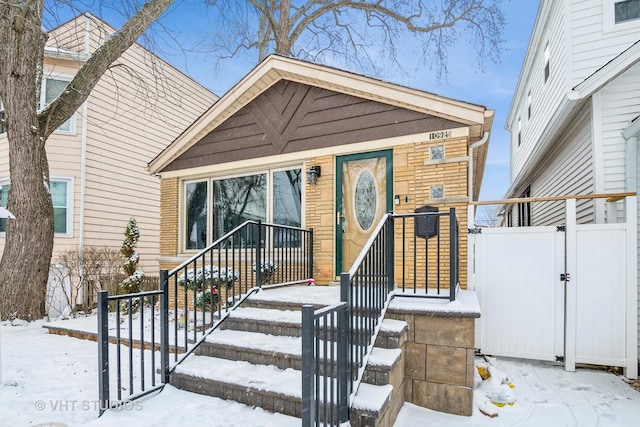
pixel 276 68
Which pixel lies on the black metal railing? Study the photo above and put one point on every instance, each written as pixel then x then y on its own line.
pixel 427 248
pixel 193 299
pixel 366 290
pixel 325 338
pixel 203 289
pixel 139 336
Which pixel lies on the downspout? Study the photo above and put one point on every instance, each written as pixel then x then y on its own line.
pixel 631 165
pixel 483 140
pixel 83 174
pixel 83 155
pixel 471 215
pixel 83 166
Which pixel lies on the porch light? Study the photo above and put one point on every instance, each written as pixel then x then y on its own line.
pixel 313 174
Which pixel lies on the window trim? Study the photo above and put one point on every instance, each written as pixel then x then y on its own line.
pixel 546 58
pixel 70 181
pixel 182 213
pixel 609 22
pixel 4 181
pixel 3 130
pixel 70 198
pixel 524 209
pixel 43 92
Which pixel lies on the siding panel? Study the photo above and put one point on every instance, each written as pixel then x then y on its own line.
pixel 568 171
pixel 293 117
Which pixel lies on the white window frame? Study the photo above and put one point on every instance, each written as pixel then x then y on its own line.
pixel 69 180
pixel 43 91
pixel 182 220
pixel 546 62
pixel 3 182
pixel 69 202
pixel 609 18
pixel 2 132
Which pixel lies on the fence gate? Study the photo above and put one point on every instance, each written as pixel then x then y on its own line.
pixel 517 279
pixel 557 293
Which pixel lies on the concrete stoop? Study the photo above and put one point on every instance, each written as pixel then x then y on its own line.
pixel 255 359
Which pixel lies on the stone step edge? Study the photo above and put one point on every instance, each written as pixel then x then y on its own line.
pixel 375 360
pixel 388 327
pixel 363 401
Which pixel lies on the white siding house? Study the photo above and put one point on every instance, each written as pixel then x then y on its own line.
pixel 98 159
pixel 574 116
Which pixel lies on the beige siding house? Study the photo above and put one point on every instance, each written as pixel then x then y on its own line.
pixel 402 147
pixel 98 158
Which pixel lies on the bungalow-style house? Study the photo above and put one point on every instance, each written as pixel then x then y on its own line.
pixel 574 115
pixel 98 158
pixel 301 144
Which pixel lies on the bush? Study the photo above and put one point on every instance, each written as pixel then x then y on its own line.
pixel 267 270
pixel 207 300
pixel 209 276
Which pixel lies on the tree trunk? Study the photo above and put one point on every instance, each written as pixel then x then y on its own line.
pixel 24 268
pixel 283 42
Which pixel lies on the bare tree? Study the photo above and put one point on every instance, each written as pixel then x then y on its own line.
pixel 487 216
pixel 77 276
pixel 24 267
pixel 367 34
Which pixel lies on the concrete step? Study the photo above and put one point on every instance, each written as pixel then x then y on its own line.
pixel 288 323
pixel 285 353
pixel 268 387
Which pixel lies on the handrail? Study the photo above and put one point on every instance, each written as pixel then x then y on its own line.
pixel 368 286
pixel 251 256
pixel 613 197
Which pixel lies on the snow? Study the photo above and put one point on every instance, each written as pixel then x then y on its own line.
pixel 51 378
pixel 465 304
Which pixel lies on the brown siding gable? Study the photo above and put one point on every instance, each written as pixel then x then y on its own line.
pixel 292 117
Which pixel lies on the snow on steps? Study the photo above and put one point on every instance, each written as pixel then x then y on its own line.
pixel 255 358
pixel 265 386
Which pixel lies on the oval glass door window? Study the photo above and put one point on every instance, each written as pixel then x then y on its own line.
pixel 365 200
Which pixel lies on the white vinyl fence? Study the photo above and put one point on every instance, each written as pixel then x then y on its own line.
pixel 564 293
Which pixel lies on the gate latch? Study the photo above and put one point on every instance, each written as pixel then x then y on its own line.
pixel 565 277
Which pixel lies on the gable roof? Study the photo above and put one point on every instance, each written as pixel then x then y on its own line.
pixel 276 68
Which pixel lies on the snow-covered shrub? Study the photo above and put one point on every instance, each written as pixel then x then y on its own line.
pixel 208 276
pixel 267 270
pixel 207 299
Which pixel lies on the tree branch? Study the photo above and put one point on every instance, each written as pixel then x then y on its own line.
pixel 90 73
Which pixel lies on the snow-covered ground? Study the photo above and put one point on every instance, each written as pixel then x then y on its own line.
pixel 49 378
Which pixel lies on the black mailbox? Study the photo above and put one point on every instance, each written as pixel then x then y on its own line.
pixel 427 225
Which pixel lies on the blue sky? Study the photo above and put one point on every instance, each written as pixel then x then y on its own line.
pixel 187 23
